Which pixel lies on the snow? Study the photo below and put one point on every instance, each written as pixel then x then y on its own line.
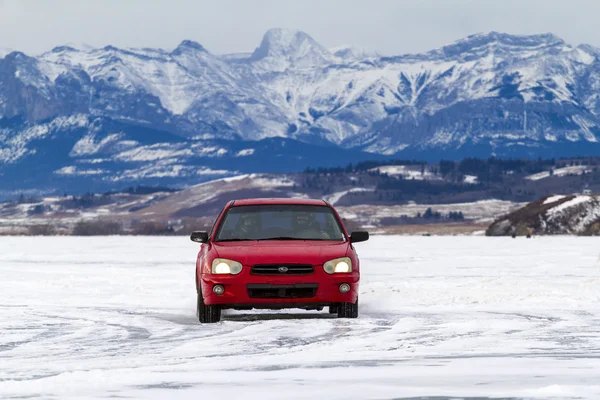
pixel 554 199
pixel 572 170
pixel 88 145
pixel 245 152
pixel 587 128
pixel 407 171
pixel 154 152
pixel 210 151
pixel 164 169
pixel 178 80
pixel 71 170
pixel 571 203
pixel 234 178
pixel 259 181
pixel 483 211
pixel 281 49
pixel 264 181
pixel 470 179
pixel 335 197
pixel 581 55
pixel 16 147
pixel 443 317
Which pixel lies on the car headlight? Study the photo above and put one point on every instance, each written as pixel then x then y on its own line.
pixel 338 266
pixel 225 266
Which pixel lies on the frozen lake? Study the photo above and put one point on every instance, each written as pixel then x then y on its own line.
pixel 440 316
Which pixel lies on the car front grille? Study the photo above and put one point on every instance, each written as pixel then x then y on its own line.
pixel 298 291
pixel 282 269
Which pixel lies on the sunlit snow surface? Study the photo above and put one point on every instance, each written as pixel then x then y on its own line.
pixel 453 316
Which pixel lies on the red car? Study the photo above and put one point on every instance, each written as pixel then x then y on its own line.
pixel 275 254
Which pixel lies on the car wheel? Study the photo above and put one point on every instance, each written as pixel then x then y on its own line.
pixel 207 314
pixel 333 308
pixel 348 310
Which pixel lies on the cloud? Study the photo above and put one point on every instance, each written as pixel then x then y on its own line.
pixel 222 26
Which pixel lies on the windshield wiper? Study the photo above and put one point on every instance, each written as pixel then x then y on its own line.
pixel 282 238
pixel 286 238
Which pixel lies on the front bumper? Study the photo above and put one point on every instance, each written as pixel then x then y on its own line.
pixel 272 291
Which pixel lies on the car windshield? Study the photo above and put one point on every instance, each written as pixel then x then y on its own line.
pixel 279 222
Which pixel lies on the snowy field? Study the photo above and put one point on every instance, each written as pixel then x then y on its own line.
pixel 469 317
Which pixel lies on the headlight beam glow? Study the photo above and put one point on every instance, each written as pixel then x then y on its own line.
pixel 224 266
pixel 341 265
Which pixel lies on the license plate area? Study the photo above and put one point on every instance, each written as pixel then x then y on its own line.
pixel 295 291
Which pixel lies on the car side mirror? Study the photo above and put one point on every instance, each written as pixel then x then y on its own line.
pixel 359 236
pixel 199 237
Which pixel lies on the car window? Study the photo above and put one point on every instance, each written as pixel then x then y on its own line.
pixel 280 222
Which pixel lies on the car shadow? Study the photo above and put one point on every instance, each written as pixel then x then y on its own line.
pixel 272 316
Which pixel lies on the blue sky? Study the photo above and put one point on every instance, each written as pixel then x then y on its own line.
pixel 223 26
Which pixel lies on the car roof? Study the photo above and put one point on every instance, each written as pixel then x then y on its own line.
pixel 262 201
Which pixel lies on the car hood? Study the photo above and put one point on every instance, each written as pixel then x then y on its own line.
pixel 281 252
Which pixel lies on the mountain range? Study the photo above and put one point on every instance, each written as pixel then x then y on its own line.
pixel 74 119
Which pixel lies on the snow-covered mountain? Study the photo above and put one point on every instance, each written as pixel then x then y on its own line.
pixel 89 153
pixel 486 94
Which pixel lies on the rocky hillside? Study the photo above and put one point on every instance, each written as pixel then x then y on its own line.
pixel 112 116
pixel 553 215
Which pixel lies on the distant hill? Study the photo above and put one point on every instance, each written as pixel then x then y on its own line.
pixel 552 215
pixel 370 193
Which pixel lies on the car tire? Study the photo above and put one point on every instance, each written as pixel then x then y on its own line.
pixel 348 310
pixel 207 314
pixel 333 308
